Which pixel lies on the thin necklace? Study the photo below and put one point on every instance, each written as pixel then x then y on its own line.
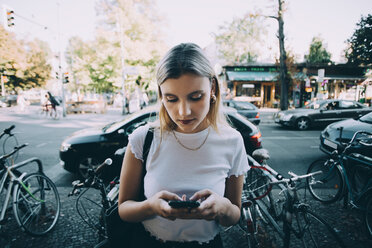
pixel 188 148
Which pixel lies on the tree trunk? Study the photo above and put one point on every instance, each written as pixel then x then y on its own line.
pixel 283 57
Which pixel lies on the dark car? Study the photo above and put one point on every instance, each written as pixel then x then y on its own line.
pixel 89 147
pixel 247 109
pixel 321 113
pixel 330 136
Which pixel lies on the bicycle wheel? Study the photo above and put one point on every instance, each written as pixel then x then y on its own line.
pixel 36 204
pixel 257 183
pixel 88 206
pixel 248 223
pixel 8 146
pixel 312 231
pixel 368 216
pixel 327 186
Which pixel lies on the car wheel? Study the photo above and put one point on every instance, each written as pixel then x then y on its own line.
pixel 85 164
pixel 303 123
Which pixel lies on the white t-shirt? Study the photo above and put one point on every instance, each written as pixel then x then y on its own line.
pixel 173 168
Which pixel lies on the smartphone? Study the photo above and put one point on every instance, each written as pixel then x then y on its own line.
pixel 184 204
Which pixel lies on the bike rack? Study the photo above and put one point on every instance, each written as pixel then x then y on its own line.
pixel 28 161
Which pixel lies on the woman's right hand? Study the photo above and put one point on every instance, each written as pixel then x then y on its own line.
pixel 159 204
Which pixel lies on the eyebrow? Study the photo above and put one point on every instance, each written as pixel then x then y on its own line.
pixel 192 93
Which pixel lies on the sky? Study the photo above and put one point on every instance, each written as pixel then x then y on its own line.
pixel 195 21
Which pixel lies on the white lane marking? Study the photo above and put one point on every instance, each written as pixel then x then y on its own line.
pixel 41 145
pixel 314 147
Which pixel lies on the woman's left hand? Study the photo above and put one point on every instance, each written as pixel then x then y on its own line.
pixel 211 207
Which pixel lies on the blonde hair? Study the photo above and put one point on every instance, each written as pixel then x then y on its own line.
pixel 187 58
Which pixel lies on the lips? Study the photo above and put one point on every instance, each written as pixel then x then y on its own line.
pixel 185 122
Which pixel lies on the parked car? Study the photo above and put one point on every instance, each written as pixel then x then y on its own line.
pixel 330 136
pixel 321 113
pixel 247 109
pixel 89 147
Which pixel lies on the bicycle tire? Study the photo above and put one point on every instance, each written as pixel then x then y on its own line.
pixel 248 224
pixel 313 231
pixel 257 183
pixel 368 216
pixel 90 210
pixel 8 146
pixel 328 186
pixel 36 213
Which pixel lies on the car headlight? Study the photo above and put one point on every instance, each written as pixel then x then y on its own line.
pixel 286 117
pixel 65 147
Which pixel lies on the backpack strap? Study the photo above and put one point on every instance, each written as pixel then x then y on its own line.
pixel 146 148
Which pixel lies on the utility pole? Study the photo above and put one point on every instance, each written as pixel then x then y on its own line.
pixel 122 52
pixel 61 78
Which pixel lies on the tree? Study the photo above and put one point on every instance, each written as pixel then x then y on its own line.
pixel 283 73
pixel 128 35
pixel 240 40
pixel 317 52
pixel 360 43
pixel 24 63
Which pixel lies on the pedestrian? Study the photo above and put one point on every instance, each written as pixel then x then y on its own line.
pixel 22 102
pixel 195 156
pixel 52 100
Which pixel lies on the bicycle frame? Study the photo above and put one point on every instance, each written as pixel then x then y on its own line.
pixel 292 205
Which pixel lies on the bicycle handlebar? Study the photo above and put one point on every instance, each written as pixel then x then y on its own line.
pixel 107 162
pixel 17 148
pixel 295 177
pixel 90 181
pixel 9 129
pixel 347 145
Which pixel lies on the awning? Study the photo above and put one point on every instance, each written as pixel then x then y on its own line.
pixel 252 76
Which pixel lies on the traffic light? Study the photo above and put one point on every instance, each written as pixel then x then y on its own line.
pixel 10 17
pixel 65 78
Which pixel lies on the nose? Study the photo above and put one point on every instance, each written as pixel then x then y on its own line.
pixel 184 108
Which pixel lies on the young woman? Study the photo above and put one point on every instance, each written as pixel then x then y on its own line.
pixel 195 155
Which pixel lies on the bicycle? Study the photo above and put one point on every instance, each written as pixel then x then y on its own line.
pixel 47 110
pixel 36 203
pixel 91 212
pixel 346 175
pixel 10 141
pixel 282 211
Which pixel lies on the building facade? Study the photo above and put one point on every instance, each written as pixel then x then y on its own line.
pixel 259 83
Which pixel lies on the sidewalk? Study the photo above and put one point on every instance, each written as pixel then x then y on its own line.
pixel 71 231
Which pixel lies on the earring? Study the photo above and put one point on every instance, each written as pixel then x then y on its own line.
pixel 213 98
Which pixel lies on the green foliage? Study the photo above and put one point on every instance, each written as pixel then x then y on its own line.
pixel 318 54
pixel 240 40
pixel 25 63
pixel 97 65
pixel 360 43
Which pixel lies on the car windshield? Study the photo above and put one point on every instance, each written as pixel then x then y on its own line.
pixel 115 125
pixel 314 105
pixel 366 118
